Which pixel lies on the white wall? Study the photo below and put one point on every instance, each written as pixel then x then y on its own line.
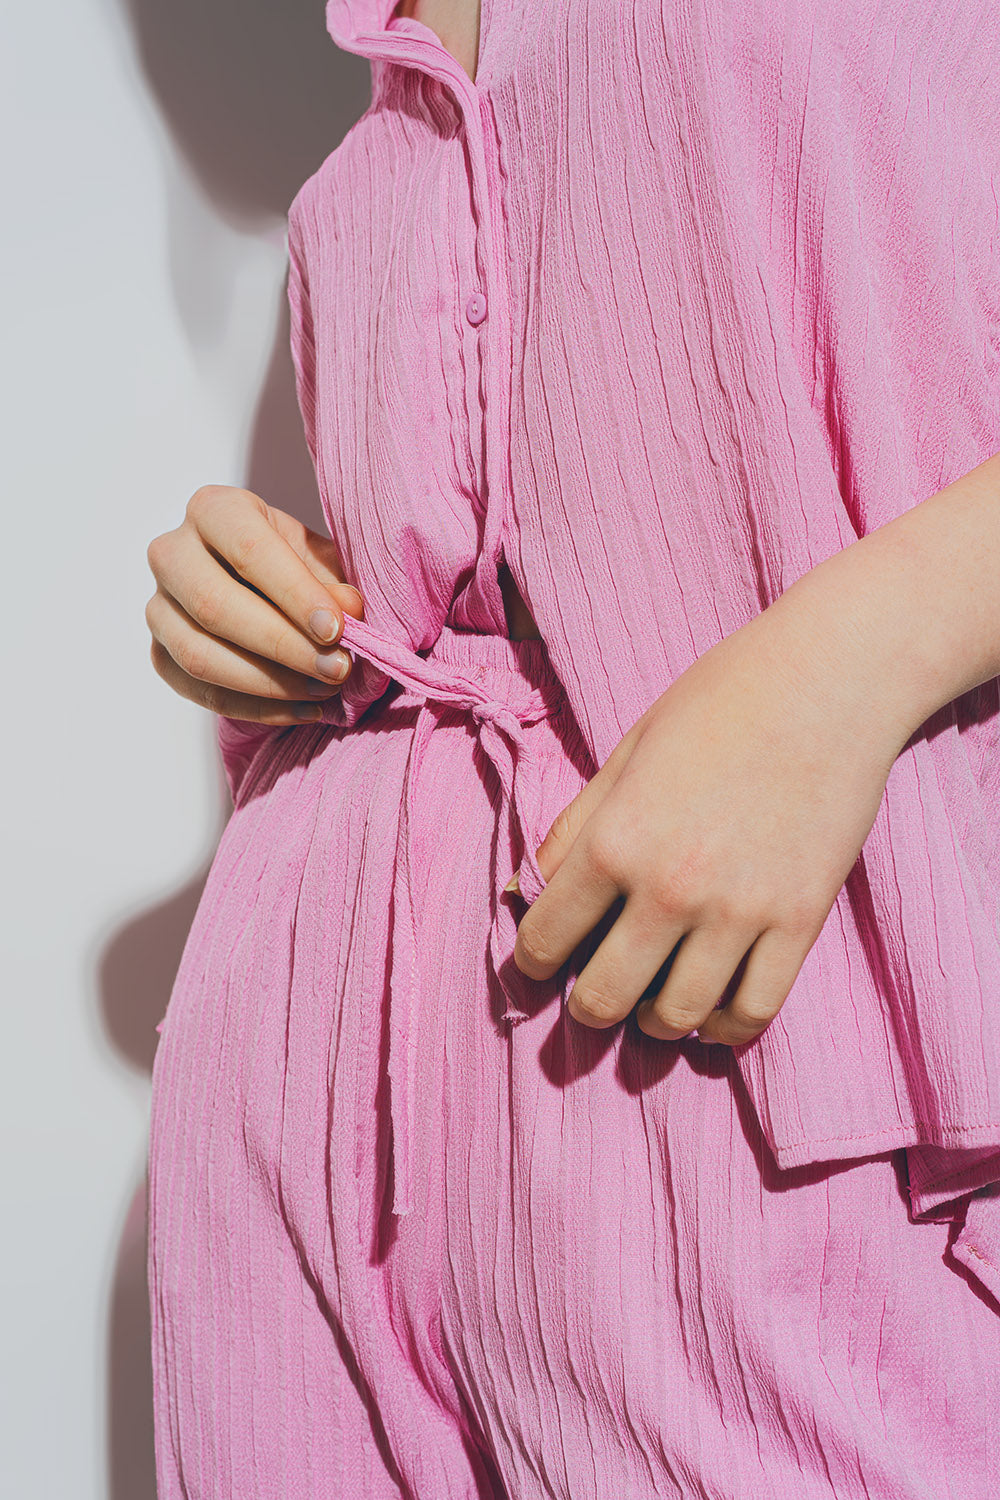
pixel 149 154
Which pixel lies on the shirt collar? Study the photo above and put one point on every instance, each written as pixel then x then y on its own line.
pixel 349 20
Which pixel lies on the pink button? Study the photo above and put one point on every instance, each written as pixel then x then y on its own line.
pixel 475 308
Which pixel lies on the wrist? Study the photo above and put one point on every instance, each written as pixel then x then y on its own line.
pixel 916 603
pixel 845 629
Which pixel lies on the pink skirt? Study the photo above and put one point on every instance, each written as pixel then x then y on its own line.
pixel 414 1232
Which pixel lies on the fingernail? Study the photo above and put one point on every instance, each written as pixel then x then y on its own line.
pixel 513 884
pixel 323 624
pixel 333 664
pixel 309 711
pixel 318 689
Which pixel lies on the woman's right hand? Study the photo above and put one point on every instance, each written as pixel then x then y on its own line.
pixel 238 618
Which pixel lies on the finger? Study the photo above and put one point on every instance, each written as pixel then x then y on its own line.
pixel 704 965
pixel 568 825
pixel 320 554
pixel 238 526
pixel 570 906
pixel 771 968
pixel 234 705
pixel 627 962
pixel 212 664
pixel 213 604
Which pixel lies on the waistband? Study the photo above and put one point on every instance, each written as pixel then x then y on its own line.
pixel 505 686
pixel 528 658
pixel 463 666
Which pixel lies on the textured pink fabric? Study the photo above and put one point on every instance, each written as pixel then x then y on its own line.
pixel 603 1285
pixel 740 266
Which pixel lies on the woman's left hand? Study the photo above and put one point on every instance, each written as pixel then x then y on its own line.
pixel 728 818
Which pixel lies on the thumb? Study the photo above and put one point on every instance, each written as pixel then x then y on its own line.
pixel 568 824
pixel 323 558
pixel 319 552
pixel 352 605
pixel 565 829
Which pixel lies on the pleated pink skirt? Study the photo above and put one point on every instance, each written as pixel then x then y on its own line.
pixel 415 1232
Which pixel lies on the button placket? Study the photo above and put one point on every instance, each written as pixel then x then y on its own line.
pixel 498 357
pixel 419 47
pixel 489 297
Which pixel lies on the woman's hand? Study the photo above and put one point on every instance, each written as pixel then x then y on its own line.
pixel 728 818
pixel 248 607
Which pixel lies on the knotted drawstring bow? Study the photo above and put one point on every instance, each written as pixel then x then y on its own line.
pixel 501 735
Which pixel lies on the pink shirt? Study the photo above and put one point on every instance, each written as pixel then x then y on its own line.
pixel 664 310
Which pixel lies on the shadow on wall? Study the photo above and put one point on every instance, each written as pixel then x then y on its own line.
pixel 255 96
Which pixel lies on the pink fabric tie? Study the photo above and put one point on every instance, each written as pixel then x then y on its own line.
pixel 433 685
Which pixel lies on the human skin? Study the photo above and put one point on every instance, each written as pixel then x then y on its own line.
pixel 245 594
pixel 730 814
pixel 791 725
pixel 456 23
pixel 248 607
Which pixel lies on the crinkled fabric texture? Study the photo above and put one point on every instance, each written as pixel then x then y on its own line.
pixel 604 1285
pixel 741 273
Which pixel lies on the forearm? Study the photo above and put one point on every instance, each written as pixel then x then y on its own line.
pixel 914 607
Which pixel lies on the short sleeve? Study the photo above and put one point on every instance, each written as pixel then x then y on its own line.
pixel 302 335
